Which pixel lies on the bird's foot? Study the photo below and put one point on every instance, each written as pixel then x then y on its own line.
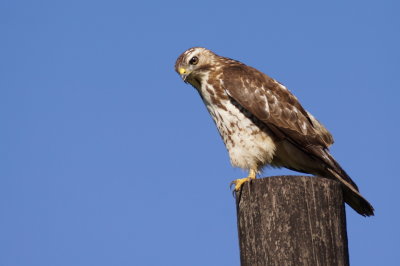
pixel 239 182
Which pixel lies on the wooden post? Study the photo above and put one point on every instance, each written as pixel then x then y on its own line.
pixel 292 220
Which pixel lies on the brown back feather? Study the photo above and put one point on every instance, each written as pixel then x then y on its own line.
pixel 274 105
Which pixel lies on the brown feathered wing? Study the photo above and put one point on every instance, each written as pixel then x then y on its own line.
pixel 282 113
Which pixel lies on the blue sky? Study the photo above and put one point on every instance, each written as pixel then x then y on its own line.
pixel 108 158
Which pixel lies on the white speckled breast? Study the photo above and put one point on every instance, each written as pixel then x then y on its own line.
pixel 249 146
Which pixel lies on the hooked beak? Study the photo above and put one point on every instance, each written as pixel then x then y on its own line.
pixel 184 73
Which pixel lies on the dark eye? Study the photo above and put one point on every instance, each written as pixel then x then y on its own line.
pixel 194 60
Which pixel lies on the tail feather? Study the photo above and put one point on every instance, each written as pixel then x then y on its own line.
pixel 351 194
pixel 331 169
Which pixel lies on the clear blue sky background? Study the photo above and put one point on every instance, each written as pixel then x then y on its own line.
pixel 108 158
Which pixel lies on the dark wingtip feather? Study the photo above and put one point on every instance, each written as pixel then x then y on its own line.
pixel 357 202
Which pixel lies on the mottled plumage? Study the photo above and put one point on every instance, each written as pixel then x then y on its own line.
pixel 261 122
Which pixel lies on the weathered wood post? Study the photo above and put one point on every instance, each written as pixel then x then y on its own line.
pixel 292 220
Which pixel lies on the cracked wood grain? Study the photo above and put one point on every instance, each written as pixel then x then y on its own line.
pixel 292 220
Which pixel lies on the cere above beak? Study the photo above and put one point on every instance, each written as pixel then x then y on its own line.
pixel 183 73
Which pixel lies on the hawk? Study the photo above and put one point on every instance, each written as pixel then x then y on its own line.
pixel 262 123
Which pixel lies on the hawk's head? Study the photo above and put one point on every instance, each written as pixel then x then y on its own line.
pixel 194 63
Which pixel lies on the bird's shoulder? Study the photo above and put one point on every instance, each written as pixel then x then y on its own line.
pixel 272 103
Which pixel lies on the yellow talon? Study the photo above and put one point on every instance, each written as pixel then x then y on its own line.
pixel 239 182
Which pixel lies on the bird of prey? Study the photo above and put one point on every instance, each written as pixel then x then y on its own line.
pixel 262 123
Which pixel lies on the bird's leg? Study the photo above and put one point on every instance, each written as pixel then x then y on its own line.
pixel 239 182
